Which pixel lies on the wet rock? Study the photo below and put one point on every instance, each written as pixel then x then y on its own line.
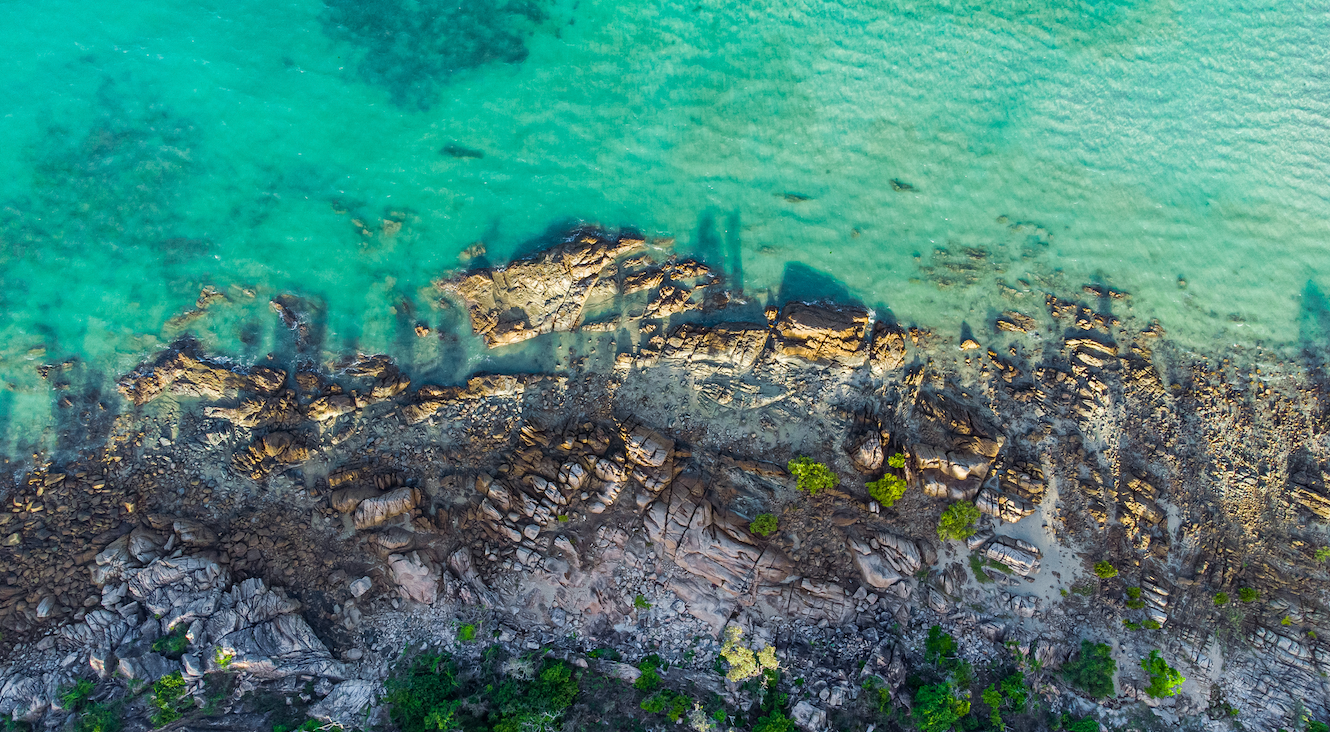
pixel 543 294
pixel 177 372
pixel 431 399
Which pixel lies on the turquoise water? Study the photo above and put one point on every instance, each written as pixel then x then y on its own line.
pixel 153 148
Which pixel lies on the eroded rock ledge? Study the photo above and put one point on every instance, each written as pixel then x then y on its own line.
pixel 299 526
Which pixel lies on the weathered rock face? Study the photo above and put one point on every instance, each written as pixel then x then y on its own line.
pixel 888 349
pixel 431 399
pixel 281 410
pixel 268 454
pixel 1021 557
pixel 959 454
pixel 416 579
pixel 544 294
pixel 374 511
pixel 177 372
pixel 822 334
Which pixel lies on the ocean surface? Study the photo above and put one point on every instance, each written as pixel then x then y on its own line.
pixel 915 156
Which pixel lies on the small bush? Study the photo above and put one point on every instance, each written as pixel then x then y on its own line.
pixel 977 567
pixel 957 522
pixel 936 709
pixel 172 645
pixel 812 476
pixel 993 698
pixel 222 657
pixel 743 662
pixel 1151 625
pixel 1247 594
pixel 1093 670
pixel 1105 570
pixel 649 681
pixel 73 697
pixel 424 693
pixel 1134 593
pixel 168 699
pixel 641 603
pixel 1136 604
pixel 1322 554
pixel 466 633
pixel 774 722
pixel 887 490
pixel 897 461
pixel 1164 679
pixel 608 653
pixel 1084 724
pixel 764 525
pixel 97 717
pixel 1221 598
pixel 1318 727
pixel 939 645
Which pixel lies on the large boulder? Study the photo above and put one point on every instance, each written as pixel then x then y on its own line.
pixel 822 334
pixel 543 294
pixel 179 373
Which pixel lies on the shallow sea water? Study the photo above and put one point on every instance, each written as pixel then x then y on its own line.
pixel 909 155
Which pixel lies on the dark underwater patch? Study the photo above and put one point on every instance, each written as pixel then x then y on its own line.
pixel 412 48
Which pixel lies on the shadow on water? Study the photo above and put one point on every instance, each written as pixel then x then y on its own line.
pixel 805 284
pixel 413 48
pixel 722 252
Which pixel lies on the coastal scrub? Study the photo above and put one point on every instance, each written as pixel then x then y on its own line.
pixel 957 522
pixel 811 476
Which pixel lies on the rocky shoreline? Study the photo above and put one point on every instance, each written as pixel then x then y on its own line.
pixel 299 525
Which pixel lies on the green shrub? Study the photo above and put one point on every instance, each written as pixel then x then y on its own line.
pixel 1013 688
pixel 1322 554
pixel 222 657
pixel 939 647
pixel 97 717
pixel 673 705
pixel 1247 594
pixel 1318 727
pixel 172 645
pixel 425 694
pixel 1093 670
pixel 957 522
pixel 1136 604
pixel 764 524
pixel 73 697
pixel 897 461
pixel 641 603
pixel 649 681
pixel 1134 593
pixel 466 633
pixel 1164 679
pixel 774 722
pixel 977 564
pixel 608 653
pixel 1084 724
pixel 168 699
pixel 535 706
pixel 1221 598
pixel 993 698
pixel 1105 570
pixel 887 490
pixel 812 476
pixel 1151 625
pixel 936 709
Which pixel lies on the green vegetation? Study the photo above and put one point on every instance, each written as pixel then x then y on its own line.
pixel 1134 593
pixel 957 522
pixel 73 697
pixel 1084 724
pixel 763 525
pixel 993 698
pixel 939 647
pixel 1093 671
pixel 1318 727
pixel 937 709
pixel 1221 598
pixel 897 461
pixel 812 477
pixel 774 722
pixel 222 657
pixel 1323 554
pixel 675 706
pixel 466 633
pixel 887 490
pixel 92 716
pixel 977 564
pixel 169 699
pixel 743 662
pixel 1105 570
pixel 641 603
pixel 309 725
pixel 1164 679
pixel 1136 604
pixel 172 645
pixel 429 693
pixel 649 681
pixel 1247 594
pixel 607 653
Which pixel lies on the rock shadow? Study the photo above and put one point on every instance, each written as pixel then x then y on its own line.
pixel 722 250
pixel 801 283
